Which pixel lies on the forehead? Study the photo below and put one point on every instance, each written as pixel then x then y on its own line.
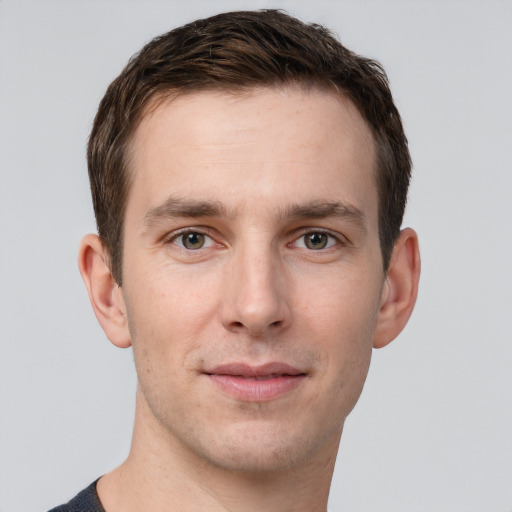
pixel 263 145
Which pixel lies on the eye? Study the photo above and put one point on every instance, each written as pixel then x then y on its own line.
pixel 193 240
pixel 316 241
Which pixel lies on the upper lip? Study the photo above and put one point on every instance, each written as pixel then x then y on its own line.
pixel 247 370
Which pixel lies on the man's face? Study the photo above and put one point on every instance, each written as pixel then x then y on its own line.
pixel 252 272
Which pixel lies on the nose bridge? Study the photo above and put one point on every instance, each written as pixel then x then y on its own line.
pixel 254 298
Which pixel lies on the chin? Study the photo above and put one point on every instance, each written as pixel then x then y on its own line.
pixel 265 450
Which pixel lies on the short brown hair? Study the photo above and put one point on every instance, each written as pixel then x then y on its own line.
pixel 239 50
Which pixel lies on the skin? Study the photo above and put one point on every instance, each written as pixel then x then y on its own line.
pixel 251 176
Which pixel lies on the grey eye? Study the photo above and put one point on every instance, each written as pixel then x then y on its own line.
pixel 316 241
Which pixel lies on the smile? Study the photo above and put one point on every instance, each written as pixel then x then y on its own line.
pixel 256 383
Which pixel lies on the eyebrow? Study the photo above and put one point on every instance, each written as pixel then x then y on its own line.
pixel 181 207
pixel 318 209
pixel 325 209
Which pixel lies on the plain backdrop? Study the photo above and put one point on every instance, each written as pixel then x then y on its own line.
pixel 433 429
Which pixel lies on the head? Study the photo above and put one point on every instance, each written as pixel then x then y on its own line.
pixel 249 176
pixel 235 52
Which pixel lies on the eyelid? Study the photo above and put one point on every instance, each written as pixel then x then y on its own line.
pixel 171 237
pixel 297 235
pixel 340 239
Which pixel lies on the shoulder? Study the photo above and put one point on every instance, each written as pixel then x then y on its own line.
pixel 85 501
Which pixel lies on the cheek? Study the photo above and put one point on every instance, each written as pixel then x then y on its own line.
pixel 170 297
pixel 166 314
pixel 342 318
pixel 341 309
pixel 348 332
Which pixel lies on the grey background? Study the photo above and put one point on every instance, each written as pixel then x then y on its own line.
pixel 433 429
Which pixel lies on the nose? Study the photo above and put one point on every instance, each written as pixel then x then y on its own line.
pixel 255 292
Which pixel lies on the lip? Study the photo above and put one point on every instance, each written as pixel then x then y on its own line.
pixel 256 383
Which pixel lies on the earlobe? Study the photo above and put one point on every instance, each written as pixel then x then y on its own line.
pixel 400 289
pixel 105 295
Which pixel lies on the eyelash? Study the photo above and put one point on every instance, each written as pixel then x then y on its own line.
pixel 332 241
pixel 188 231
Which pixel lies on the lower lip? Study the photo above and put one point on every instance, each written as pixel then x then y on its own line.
pixel 252 390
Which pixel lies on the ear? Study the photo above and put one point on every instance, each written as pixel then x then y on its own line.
pixel 105 295
pixel 400 289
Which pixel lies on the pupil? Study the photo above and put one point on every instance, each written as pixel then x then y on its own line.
pixel 193 240
pixel 316 240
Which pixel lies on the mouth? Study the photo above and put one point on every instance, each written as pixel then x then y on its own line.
pixel 263 383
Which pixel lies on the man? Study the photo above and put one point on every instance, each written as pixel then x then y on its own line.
pixel 249 176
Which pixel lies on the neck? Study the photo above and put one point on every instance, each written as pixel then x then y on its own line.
pixel 161 473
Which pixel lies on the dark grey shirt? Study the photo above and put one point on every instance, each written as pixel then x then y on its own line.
pixel 85 501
